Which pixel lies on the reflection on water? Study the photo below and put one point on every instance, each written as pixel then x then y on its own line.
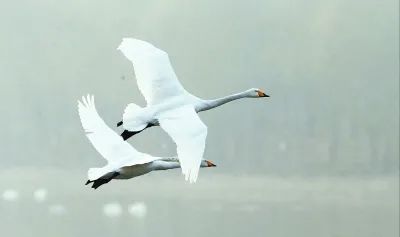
pixel 158 205
pixel 112 210
pixel 57 210
pixel 10 195
pixel 138 209
pixel 40 195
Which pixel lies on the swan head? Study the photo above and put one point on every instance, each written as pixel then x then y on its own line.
pixel 207 163
pixel 256 93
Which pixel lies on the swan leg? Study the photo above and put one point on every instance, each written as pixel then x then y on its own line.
pixel 127 134
pixel 98 182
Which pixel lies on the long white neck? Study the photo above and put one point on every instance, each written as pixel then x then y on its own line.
pixel 210 104
pixel 171 163
pixel 165 165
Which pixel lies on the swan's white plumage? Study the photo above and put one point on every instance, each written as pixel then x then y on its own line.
pixel 189 133
pixel 155 76
pixel 169 102
pixel 135 117
pixel 109 144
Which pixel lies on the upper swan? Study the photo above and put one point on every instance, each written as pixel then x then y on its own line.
pixel 169 105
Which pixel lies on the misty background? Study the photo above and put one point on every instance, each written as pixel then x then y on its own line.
pixel 324 146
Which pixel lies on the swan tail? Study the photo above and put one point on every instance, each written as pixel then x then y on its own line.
pixel 134 118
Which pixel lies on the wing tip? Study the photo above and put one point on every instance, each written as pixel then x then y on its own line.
pixel 130 46
pixel 124 42
pixel 191 175
pixel 87 101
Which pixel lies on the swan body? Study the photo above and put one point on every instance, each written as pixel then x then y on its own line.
pixel 123 161
pixel 169 105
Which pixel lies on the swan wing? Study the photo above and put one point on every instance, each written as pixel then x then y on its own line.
pixel 189 133
pixel 108 143
pixel 155 76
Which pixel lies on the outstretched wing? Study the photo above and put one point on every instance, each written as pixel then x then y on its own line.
pixel 109 144
pixel 189 133
pixel 155 76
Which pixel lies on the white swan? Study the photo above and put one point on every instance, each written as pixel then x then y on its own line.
pixel 123 161
pixel 169 104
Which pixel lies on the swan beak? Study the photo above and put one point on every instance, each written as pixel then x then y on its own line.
pixel 209 164
pixel 262 94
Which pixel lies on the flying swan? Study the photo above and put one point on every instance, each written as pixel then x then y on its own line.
pixel 123 161
pixel 169 105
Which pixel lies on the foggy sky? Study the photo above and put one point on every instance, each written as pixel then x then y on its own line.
pixel 331 68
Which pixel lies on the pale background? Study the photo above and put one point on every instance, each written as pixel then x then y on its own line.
pixel 320 157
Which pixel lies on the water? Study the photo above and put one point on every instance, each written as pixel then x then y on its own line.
pixel 218 205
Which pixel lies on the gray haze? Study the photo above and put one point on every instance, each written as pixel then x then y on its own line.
pixel 320 157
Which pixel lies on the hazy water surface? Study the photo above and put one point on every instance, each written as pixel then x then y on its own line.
pixel 216 206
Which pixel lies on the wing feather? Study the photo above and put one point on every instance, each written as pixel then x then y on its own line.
pixel 189 133
pixel 155 76
pixel 108 143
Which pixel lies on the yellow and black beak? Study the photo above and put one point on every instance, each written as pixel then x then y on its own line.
pixel 210 164
pixel 262 94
